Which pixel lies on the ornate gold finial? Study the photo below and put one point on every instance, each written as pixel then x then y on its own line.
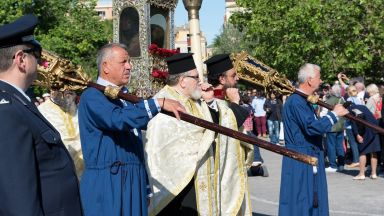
pixel 61 74
pixel 255 72
pixel 112 91
pixel 313 98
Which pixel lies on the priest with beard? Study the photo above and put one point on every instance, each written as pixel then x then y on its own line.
pixel 61 111
pixel 179 155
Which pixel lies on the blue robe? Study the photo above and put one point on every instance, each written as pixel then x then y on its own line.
pixel 115 180
pixel 303 132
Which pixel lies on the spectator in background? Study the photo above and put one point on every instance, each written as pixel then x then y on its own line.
pixel 368 140
pixel 40 100
pixel 352 97
pixel 374 103
pixel 361 94
pixel 257 168
pixel 253 95
pixel 273 107
pixel 260 114
pixel 46 96
pixel 334 138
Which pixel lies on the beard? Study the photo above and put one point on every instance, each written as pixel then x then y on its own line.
pixel 66 103
pixel 196 94
pixel 228 85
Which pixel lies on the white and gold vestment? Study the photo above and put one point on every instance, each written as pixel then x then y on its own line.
pixel 177 151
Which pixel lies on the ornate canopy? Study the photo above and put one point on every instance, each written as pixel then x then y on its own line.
pixel 168 4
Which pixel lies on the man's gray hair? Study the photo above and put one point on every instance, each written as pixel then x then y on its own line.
pixel 7 54
pixel 105 52
pixel 306 71
pixel 173 79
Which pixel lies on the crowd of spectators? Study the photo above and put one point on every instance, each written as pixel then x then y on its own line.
pixel 349 145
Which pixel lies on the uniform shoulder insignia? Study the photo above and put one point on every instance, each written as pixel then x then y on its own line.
pixel 4 101
pixel 4 98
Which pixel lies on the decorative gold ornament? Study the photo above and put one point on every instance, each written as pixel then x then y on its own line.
pixel 112 91
pixel 60 74
pixel 167 4
pixel 255 72
pixel 313 98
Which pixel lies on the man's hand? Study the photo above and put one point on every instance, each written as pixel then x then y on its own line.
pixel 171 106
pixel 207 92
pixel 342 76
pixel 359 138
pixel 339 110
pixel 233 95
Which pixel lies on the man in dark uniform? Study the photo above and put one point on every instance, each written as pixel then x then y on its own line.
pixel 37 173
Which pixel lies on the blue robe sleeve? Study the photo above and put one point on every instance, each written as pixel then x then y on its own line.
pixel 19 178
pixel 106 114
pixel 305 117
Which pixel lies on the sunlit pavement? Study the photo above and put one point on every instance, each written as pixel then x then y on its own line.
pixel 346 196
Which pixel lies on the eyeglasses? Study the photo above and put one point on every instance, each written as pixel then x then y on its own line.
pixel 35 51
pixel 194 77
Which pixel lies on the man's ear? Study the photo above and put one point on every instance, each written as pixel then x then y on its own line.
pixel 19 60
pixel 181 82
pixel 222 80
pixel 105 67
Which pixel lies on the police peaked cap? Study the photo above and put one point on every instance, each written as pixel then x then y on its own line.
pixel 218 64
pixel 19 32
pixel 180 63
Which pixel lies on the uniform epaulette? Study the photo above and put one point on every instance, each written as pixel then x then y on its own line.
pixel 5 98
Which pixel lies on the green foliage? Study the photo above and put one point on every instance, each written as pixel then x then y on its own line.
pixel 338 35
pixel 230 40
pixel 70 28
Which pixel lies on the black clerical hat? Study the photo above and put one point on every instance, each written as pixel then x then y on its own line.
pixel 218 64
pixel 180 63
pixel 19 32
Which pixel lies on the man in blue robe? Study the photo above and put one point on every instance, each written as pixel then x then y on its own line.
pixel 115 181
pixel 303 189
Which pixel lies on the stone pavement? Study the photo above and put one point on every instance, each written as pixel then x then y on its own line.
pixel 346 196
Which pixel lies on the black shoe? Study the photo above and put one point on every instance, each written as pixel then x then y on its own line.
pixel 260 170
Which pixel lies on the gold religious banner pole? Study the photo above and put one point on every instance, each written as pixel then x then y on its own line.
pixel 255 72
pixel 61 74
pixel 193 7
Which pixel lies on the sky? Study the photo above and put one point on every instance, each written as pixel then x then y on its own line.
pixel 211 17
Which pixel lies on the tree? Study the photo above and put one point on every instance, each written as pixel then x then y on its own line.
pixel 70 28
pixel 230 40
pixel 338 35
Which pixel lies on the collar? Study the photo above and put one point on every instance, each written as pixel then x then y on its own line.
pixel 104 82
pixel 18 89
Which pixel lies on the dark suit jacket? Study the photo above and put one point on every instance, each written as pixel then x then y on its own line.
pixel 37 175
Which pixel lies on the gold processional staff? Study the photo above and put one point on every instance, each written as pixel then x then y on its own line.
pixel 61 74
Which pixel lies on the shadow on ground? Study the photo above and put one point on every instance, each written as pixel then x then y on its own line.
pixel 257 214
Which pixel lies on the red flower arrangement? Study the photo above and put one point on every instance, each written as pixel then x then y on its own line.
pixel 159 67
pixel 161 52
pixel 159 74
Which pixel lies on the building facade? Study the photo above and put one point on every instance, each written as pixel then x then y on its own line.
pixel 183 42
pixel 104 9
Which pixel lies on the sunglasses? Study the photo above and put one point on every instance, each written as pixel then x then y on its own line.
pixel 35 51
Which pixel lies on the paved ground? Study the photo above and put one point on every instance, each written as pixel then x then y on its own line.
pixel 346 196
